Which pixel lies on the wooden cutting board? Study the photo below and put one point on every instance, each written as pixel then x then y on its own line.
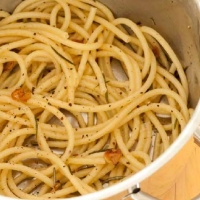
pixel 177 180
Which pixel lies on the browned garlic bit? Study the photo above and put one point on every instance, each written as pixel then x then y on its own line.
pixel 21 95
pixel 113 156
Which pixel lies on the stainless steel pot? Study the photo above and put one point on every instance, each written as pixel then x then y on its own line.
pixel 178 21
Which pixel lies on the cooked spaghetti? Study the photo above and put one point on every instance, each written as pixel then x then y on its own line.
pixel 86 100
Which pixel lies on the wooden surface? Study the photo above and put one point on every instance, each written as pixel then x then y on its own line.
pixel 177 180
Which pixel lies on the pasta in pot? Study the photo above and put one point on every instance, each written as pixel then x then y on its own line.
pixel 86 99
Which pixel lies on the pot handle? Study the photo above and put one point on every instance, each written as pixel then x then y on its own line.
pixel 136 194
pixel 197 136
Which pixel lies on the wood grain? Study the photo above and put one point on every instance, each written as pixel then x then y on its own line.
pixel 177 180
